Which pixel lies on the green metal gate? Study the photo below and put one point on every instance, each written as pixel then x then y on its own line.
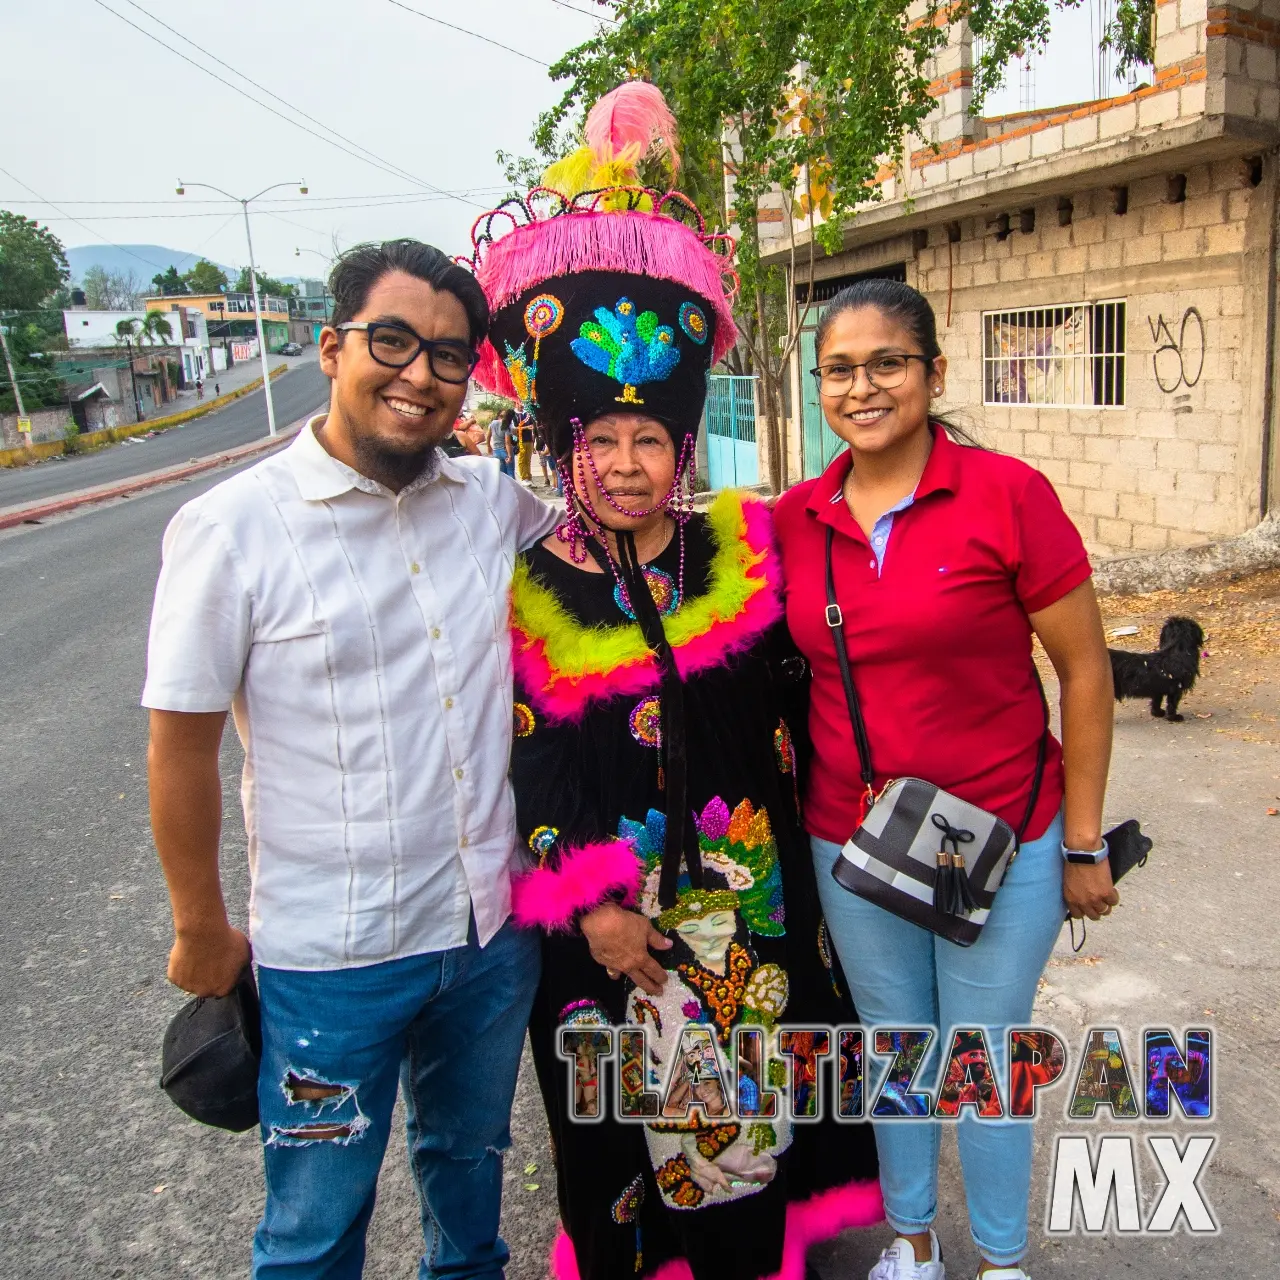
pixel 820 444
pixel 731 431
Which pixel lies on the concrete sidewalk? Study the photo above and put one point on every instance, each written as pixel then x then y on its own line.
pixel 239 375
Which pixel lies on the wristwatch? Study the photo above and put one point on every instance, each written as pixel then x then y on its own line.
pixel 1091 857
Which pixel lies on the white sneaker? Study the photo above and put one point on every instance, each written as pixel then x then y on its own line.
pixel 1005 1273
pixel 898 1262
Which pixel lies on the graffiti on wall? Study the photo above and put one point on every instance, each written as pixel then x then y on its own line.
pixel 1177 361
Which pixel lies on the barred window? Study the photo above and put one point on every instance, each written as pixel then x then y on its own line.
pixel 1073 354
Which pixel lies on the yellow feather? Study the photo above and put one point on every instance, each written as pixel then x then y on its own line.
pixel 571 175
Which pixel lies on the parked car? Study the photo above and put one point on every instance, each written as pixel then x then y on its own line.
pixel 291 349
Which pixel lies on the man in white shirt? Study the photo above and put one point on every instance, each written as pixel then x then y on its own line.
pixel 346 600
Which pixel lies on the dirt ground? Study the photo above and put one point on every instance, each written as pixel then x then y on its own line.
pixel 1239 685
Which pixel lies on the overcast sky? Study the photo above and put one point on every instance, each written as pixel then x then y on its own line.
pixel 102 121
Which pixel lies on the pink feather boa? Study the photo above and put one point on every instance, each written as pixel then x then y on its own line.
pixel 565 698
pixel 549 898
pixel 809 1222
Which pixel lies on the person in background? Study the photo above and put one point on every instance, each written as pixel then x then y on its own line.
pixel 502 441
pixel 347 599
pixel 199 389
pixel 524 447
pixel 542 446
pixel 946 562
pixel 217 389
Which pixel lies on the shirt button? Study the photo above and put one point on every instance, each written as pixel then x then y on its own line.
pixel 448 704
pixel 413 568
pixel 457 773
pixel 462 844
pixel 435 633
pixel 871 564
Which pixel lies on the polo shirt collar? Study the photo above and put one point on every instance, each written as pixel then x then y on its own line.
pixel 320 476
pixel 941 475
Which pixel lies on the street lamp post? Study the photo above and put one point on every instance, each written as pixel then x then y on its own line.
pixel 253 278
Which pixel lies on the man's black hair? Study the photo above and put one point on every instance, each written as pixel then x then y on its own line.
pixel 360 268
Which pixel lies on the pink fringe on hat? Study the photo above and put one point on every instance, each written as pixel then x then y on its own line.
pixel 636 243
pixel 809 1222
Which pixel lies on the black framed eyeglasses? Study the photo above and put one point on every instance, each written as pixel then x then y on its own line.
pixel 397 347
pixel 884 373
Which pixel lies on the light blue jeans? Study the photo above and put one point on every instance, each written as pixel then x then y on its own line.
pixel 903 976
pixel 448 1026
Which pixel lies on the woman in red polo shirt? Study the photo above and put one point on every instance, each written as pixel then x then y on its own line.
pixel 946 559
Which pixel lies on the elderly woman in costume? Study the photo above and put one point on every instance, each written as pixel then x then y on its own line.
pixel 653 765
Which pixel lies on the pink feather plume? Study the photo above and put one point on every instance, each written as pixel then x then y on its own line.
pixel 634 115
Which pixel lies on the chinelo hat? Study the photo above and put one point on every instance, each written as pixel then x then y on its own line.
pixel 606 295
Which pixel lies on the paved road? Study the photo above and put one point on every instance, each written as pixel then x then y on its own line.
pixel 102 1178
pixel 303 390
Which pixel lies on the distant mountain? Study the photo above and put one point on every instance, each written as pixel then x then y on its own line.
pixel 144 260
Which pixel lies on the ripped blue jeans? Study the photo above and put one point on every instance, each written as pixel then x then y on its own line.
pixel 448 1026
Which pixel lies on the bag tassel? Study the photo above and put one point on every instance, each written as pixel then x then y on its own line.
pixel 952 893
pixel 944 886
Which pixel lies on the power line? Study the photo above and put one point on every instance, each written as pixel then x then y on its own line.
pixel 317 208
pixel 369 157
pixel 602 16
pixel 78 223
pixel 279 200
pixel 475 34
pixel 296 110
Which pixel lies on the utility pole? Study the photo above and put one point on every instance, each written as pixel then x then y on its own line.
pixel 253 280
pixel 13 378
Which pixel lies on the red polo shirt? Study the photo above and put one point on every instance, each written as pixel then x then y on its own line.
pixel 939 640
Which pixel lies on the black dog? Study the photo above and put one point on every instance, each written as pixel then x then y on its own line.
pixel 1164 675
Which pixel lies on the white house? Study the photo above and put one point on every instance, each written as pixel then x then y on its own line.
pixel 85 328
pixel 95 328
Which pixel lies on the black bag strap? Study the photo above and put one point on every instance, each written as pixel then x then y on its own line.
pixel 835 620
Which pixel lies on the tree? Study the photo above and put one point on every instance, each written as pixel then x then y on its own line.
pixel 170 284
pixel 806 97
pixel 1131 33
pixel 33 267
pixel 111 290
pixel 204 277
pixel 156 328
pixel 32 263
pixel 266 285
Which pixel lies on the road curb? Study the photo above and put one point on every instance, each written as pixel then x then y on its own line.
pixel 33 512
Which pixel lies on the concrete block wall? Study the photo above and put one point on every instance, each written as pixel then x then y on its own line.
pixel 1178 464
pixel 1243 58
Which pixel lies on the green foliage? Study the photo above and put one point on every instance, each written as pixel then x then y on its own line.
pixel 32 263
pixel 731 65
pixel 170 284
pixel 71 442
pixel 30 348
pixel 204 277
pixel 156 328
pixel 1131 33
pixel 493 405
pixel 266 285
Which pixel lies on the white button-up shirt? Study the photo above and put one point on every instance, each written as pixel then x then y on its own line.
pixel 360 638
